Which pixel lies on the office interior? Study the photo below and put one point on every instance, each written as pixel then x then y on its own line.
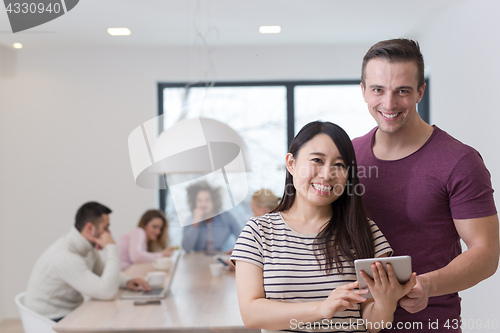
pixel 71 96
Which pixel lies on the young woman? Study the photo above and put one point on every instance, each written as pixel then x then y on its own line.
pixel 147 242
pixel 294 266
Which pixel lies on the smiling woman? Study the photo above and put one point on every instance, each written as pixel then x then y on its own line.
pixel 303 251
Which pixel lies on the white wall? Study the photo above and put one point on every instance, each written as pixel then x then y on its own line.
pixel 461 52
pixel 65 119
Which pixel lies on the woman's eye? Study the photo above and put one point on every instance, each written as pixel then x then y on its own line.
pixel 317 160
pixel 341 165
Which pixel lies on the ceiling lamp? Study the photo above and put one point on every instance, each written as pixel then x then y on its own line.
pixel 270 29
pixel 119 31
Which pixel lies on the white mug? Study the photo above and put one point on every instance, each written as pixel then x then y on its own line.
pixel 155 279
pixel 164 263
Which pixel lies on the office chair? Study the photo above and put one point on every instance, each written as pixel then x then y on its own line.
pixel 32 321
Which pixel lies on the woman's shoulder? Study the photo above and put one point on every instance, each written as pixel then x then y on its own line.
pixel 266 221
pixel 373 225
pixel 381 245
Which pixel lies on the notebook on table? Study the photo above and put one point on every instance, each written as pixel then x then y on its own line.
pixel 155 292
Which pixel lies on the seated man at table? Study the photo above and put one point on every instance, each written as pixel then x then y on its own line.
pixel 72 266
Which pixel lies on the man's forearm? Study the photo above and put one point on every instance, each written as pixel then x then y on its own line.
pixel 466 270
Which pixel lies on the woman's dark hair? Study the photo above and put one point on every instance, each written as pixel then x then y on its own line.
pixel 347 234
pixel 162 241
pixel 192 193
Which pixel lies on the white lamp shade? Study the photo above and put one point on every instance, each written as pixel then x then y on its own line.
pixel 196 146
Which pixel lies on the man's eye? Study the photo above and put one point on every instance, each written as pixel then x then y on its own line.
pixel 403 92
pixel 377 90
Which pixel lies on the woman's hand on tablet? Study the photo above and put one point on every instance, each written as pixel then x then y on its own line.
pixel 341 298
pixel 385 287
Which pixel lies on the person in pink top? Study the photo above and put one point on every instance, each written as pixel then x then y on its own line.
pixel 147 242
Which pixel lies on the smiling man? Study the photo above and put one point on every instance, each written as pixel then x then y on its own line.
pixel 431 191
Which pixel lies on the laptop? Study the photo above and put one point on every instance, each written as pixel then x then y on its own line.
pixel 155 292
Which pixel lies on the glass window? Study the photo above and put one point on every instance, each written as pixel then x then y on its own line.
pixel 257 114
pixel 340 104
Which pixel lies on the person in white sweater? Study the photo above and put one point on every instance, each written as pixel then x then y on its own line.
pixel 72 267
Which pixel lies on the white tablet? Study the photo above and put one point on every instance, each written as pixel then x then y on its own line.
pixel 400 264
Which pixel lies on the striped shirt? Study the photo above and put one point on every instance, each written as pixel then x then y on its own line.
pixel 291 271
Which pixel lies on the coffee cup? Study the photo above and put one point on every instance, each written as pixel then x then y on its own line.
pixel 163 264
pixel 216 269
pixel 155 279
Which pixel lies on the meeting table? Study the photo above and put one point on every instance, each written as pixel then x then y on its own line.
pixel 197 302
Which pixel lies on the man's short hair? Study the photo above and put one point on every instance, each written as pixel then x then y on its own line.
pixel 90 212
pixel 396 50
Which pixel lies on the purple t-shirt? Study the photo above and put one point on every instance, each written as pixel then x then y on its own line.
pixel 414 201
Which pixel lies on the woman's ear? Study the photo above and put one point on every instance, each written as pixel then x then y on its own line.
pixel 290 163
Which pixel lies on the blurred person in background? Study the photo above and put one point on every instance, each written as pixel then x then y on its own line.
pixel 147 242
pixel 263 201
pixel 72 267
pixel 209 229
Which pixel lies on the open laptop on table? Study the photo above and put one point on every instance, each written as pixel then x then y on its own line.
pixel 155 292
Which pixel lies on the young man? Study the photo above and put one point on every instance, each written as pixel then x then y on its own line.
pixel 428 191
pixel 72 266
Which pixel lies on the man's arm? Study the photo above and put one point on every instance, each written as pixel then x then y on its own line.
pixel 479 262
pixel 74 271
pixel 125 280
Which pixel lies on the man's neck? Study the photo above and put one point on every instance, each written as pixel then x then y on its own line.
pixel 409 139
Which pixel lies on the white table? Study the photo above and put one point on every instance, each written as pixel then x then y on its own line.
pixel 197 302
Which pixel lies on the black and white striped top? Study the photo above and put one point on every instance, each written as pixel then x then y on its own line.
pixel 291 271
